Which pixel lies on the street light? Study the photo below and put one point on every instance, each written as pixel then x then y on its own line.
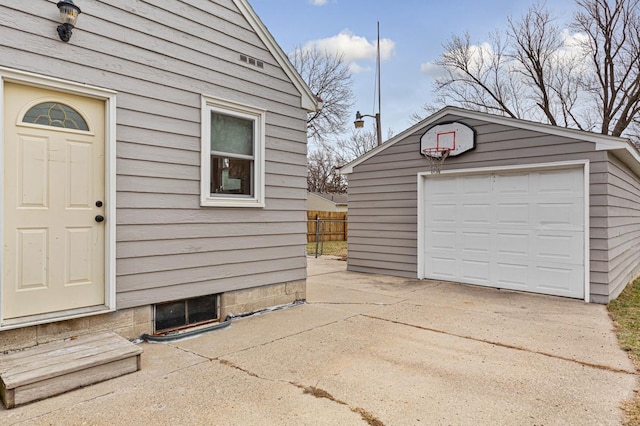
pixel 359 123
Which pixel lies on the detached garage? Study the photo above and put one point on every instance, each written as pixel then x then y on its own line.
pixel 521 206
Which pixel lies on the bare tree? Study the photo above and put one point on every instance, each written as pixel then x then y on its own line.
pixel 613 46
pixel 535 73
pixel 357 144
pixel 325 159
pixel 478 77
pixel 322 173
pixel 329 78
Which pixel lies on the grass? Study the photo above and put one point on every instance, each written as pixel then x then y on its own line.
pixel 625 312
pixel 330 248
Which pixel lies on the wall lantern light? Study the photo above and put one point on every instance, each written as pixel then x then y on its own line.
pixel 68 15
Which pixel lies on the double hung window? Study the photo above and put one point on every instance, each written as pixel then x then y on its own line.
pixel 232 154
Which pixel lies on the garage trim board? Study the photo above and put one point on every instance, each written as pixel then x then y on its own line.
pixel 581 267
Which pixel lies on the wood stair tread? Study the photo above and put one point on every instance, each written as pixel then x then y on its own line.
pixel 52 362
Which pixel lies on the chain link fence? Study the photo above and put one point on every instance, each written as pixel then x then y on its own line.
pixel 327 234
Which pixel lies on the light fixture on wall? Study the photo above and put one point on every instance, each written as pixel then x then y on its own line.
pixel 68 15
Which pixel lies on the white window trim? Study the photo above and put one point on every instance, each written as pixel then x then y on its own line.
pixel 209 104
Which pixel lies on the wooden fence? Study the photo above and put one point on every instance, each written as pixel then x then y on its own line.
pixel 333 226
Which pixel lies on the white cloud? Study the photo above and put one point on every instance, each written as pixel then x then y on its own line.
pixel 432 70
pixel 356 68
pixel 479 53
pixel 318 2
pixel 483 54
pixel 352 47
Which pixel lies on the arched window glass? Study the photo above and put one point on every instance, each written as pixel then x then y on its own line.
pixel 55 115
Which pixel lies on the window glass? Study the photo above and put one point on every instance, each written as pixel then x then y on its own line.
pixel 55 115
pixel 231 175
pixel 232 135
pixel 170 315
pixel 202 309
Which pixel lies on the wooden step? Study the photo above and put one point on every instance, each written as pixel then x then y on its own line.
pixel 54 368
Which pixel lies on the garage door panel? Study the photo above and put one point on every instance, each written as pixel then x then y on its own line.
pixel 474 271
pixel 476 185
pixel 512 184
pixel 442 267
pixel 512 244
pixel 521 231
pixel 514 276
pixel 565 248
pixel 475 242
pixel 513 213
pixel 442 213
pixel 442 239
pixel 561 214
pixel 559 182
pixel 445 188
pixel 557 280
pixel 478 213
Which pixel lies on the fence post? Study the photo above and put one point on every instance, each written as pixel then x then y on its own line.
pixel 344 227
pixel 317 229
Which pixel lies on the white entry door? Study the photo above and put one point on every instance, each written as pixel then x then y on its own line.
pixel 521 231
pixel 53 204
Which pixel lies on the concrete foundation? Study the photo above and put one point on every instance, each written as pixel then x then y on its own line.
pixel 253 299
pixel 133 322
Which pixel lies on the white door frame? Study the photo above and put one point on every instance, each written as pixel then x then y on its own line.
pixel 109 97
pixel 424 176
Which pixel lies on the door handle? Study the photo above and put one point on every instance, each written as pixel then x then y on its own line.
pixel 99 218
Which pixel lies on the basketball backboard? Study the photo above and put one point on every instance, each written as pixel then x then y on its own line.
pixel 450 138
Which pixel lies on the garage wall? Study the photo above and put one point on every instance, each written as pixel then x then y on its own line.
pixel 383 195
pixel 623 225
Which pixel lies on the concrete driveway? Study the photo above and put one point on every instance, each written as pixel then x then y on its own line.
pixel 377 350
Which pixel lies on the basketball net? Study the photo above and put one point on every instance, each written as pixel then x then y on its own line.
pixel 436 157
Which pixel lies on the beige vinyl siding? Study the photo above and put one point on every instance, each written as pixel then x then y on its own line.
pixel 623 226
pixel 383 195
pixel 160 57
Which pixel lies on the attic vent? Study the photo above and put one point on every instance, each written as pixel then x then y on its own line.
pixel 251 61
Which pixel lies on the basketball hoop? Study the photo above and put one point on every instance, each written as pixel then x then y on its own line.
pixel 436 157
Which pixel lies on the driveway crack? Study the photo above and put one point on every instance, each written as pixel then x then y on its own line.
pixel 310 390
pixel 507 346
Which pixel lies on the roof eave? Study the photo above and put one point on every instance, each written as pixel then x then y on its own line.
pixel 602 142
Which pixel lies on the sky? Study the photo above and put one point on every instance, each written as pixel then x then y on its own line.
pixel 412 33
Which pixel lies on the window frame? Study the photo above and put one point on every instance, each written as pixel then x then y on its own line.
pixel 257 115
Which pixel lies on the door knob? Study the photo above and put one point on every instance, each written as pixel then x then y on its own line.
pixel 99 218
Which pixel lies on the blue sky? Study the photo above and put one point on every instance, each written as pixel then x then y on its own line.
pixel 412 33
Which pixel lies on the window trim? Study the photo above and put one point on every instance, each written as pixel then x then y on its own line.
pixel 258 115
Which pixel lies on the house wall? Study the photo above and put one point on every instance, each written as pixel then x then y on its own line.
pixel 317 203
pixel 623 238
pixel 160 57
pixel 383 195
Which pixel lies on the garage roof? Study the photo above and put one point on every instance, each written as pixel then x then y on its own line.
pixel 623 148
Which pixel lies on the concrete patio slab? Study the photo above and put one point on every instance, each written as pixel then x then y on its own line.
pixel 373 350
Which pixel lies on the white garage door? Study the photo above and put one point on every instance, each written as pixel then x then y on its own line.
pixel 520 231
